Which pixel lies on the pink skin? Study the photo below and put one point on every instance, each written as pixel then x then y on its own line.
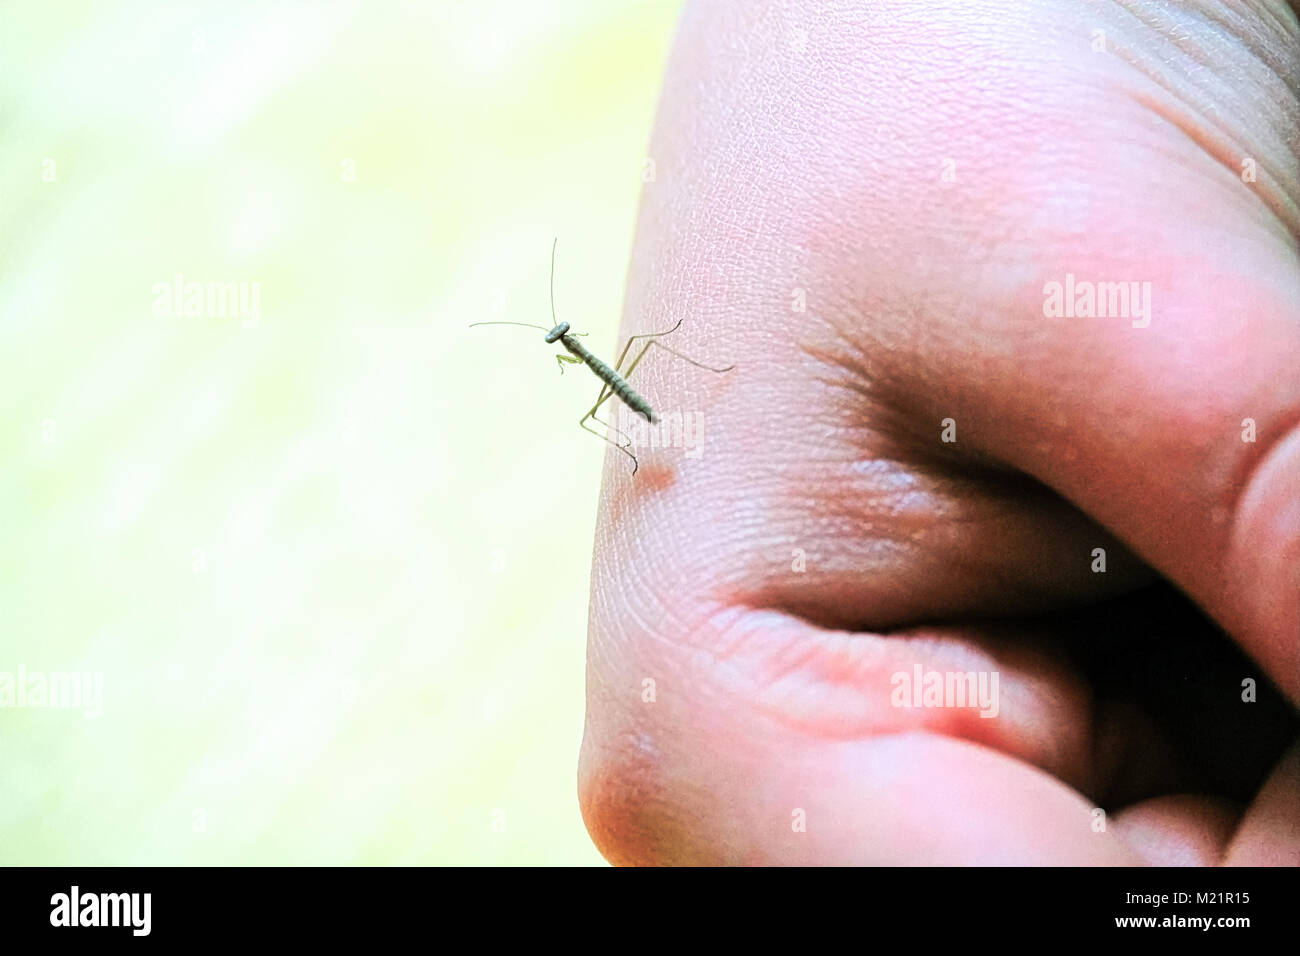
pixel 801 145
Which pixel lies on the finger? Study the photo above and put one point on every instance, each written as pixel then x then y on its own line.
pixel 1269 833
pixel 731 796
pixel 1181 830
pixel 711 732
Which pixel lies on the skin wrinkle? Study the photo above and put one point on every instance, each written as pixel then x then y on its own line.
pixel 1267 31
pixel 1217 132
pixel 1269 186
pixel 879 519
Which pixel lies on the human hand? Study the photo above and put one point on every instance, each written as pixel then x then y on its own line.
pixel 921 175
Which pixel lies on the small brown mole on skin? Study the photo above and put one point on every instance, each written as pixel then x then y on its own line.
pixel 648 480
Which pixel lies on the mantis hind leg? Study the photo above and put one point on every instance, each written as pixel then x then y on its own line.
pixel 654 340
pixel 591 414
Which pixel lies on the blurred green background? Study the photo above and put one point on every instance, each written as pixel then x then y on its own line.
pixel 330 553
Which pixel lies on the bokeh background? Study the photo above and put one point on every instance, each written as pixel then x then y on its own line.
pixel 331 559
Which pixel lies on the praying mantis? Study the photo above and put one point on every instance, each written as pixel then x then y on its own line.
pixel 614 379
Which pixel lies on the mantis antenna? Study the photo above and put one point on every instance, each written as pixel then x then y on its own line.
pixel 554 242
pixel 529 325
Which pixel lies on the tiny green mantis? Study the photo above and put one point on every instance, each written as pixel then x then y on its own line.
pixel 614 379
